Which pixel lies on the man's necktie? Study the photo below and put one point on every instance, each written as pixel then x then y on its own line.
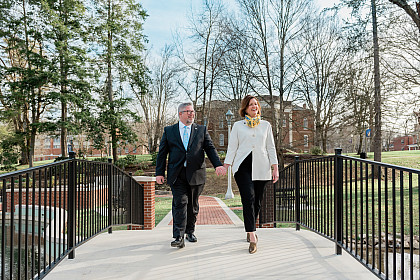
pixel 185 137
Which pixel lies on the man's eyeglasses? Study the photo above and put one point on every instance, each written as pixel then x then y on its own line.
pixel 188 111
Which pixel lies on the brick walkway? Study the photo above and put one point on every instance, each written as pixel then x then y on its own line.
pixel 211 213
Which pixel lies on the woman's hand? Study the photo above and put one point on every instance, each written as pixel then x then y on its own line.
pixel 275 173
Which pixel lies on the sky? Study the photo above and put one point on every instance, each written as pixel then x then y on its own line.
pixel 165 16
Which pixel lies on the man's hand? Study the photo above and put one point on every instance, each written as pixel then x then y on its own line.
pixel 160 180
pixel 220 170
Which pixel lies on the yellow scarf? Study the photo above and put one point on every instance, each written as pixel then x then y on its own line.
pixel 252 122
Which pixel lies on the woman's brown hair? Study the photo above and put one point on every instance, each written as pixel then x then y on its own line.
pixel 245 104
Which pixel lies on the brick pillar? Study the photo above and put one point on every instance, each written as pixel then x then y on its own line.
pixel 149 201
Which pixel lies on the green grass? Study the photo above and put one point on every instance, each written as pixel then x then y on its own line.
pixel 162 207
pixel 286 225
pixel 370 202
pixel 36 163
pixel 401 158
pixel 371 205
pixel 146 157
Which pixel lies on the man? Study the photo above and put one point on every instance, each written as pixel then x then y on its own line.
pixel 185 142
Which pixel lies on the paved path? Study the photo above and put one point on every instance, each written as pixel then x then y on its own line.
pixel 220 253
pixel 211 213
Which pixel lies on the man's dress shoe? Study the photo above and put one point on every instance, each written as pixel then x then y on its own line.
pixel 191 237
pixel 178 242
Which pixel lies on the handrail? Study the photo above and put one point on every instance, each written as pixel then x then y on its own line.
pixel 32 169
pixel 58 207
pixel 367 208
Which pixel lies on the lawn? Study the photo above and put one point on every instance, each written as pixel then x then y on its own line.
pixel 162 207
pixel 401 158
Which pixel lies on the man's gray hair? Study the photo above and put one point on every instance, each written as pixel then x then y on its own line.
pixel 182 106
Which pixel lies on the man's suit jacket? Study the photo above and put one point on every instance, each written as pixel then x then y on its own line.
pixel 171 143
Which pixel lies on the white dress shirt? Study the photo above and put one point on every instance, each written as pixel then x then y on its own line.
pixel 181 130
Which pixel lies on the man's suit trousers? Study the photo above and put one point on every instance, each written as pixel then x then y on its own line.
pixel 184 205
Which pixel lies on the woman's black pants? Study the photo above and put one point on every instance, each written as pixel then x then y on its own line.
pixel 251 193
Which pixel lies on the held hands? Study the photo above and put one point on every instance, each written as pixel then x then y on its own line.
pixel 160 180
pixel 220 170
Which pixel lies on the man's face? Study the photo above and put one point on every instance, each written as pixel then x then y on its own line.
pixel 186 116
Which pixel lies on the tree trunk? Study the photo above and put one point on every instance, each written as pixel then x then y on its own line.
pixel 360 147
pixel 109 86
pixel 377 140
pixel 63 139
pixel 63 88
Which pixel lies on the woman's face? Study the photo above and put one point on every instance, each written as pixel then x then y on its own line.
pixel 252 109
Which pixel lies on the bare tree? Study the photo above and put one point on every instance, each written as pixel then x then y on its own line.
pixel 236 65
pixel 413 14
pixel 285 17
pixel 318 64
pixel 155 98
pixel 358 97
pixel 402 51
pixel 205 58
pixel 377 137
pixel 257 39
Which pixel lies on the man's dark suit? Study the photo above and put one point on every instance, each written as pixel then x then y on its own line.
pixel 186 182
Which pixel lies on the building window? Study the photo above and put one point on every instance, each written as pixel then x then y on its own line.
pixel 305 123
pixel 135 150
pixel 221 140
pixel 402 141
pixel 306 140
pixel 126 150
pixel 56 143
pixel 221 123
pixel 47 143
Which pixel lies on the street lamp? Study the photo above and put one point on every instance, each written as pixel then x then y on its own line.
pixel 229 193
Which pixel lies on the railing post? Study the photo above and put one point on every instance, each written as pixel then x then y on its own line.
pixel 71 230
pixel 297 193
pixel 110 183
pixel 338 200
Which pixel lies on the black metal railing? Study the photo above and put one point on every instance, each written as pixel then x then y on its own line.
pixel 370 209
pixel 50 210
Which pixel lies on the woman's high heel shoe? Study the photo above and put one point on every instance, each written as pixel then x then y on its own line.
pixel 252 247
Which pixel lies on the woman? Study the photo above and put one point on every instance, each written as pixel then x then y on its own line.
pixel 252 154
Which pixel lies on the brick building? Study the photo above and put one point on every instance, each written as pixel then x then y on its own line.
pixel 49 147
pixel 297 124
pixel 405 143
pixel 408 142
